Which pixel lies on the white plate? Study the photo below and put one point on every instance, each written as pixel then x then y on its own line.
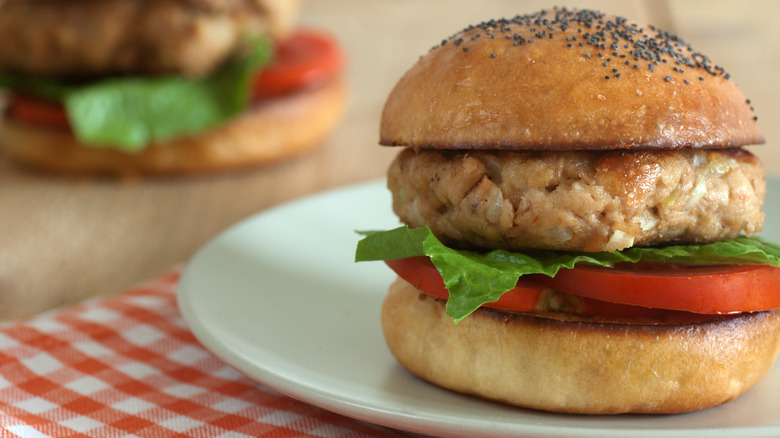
pixel 279 298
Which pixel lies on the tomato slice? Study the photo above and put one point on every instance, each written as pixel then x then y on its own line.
pixel 306 58
pixel 706 289
pixel 420 272
pixel 531 296
pixel 37 111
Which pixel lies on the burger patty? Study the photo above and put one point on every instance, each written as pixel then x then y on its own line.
pixel 579 200
pixel 103 37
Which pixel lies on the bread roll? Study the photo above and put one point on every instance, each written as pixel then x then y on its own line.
pixel 564 363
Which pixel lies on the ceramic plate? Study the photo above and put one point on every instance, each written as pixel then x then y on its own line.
pixel 279 298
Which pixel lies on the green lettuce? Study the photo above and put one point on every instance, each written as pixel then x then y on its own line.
pixel 475 278
pixel 127 113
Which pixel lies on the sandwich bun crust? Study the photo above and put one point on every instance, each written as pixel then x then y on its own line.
pixel 559 80
pixel 571 364
pixel 271 130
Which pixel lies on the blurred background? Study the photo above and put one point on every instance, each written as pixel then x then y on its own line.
pixel 64 239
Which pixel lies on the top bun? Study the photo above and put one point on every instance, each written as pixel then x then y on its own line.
pixel 566 79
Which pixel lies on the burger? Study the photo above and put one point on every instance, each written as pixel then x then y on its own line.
pixel 577 215
pixel 163 86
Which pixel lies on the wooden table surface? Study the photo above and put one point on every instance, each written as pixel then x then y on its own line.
pixel 64 239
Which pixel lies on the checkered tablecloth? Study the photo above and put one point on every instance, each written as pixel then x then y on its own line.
pixel 127 366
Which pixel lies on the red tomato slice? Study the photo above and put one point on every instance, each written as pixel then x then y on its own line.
pixel 526 296
pixel 707 289
pixel 306 58
pixel 420 272
pixel 36 111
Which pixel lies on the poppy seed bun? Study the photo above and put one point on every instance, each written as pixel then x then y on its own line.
pixel 272 130
pixel 566 80
pixel 565 365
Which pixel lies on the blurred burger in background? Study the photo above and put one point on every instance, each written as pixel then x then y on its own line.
pixel 163 86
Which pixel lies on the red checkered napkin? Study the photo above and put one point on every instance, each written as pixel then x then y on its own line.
pixel 127 366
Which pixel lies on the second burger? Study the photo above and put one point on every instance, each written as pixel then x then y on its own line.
pixel 161 87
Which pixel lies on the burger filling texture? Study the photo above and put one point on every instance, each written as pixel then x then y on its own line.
pixel 579 200
pixel 474 279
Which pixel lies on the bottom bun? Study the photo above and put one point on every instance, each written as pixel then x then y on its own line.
pixel 577 365
pixel 268 131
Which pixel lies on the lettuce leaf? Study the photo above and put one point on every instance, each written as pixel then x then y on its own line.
pixel 127 113
pixel 475 278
